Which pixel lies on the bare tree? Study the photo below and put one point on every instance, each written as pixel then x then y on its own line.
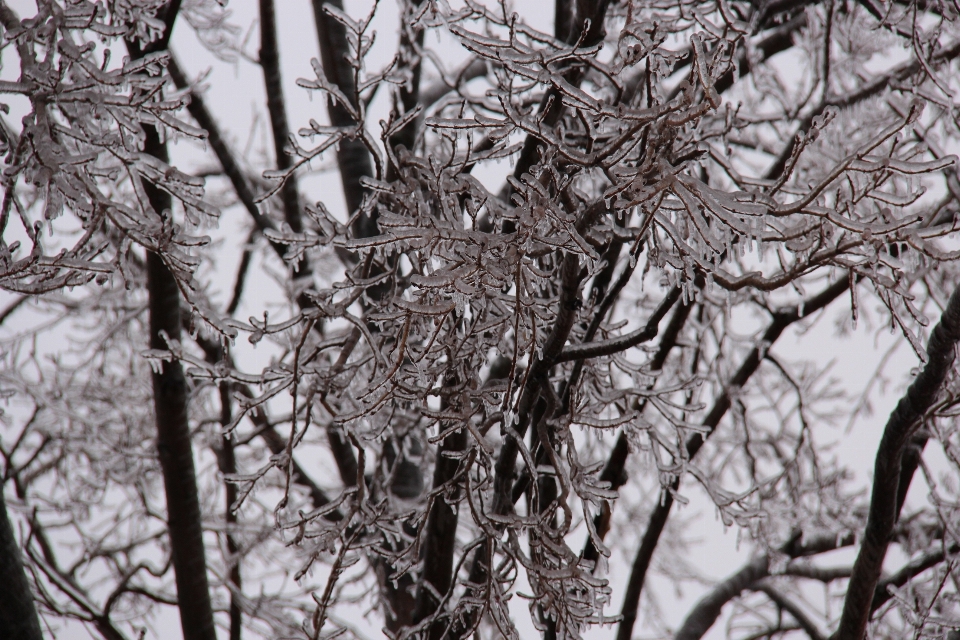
pixel 547 304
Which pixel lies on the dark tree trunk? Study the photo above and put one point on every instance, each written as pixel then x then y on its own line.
pixel 170 397
pixel 18 616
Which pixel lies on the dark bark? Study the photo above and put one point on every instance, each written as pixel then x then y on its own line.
pixel 584 25
pixel 12 307
pixel 276 107
pixel 411 43
pixel 562 19
pixel 18 615
pixel 171 396
pixel 626 341
pixel 798 614
pixel 440 542
pixel 614 471
pixel 708 609
pixel 227 461
pixel 530 404
pixel 781 320
pixel 884 499
pixel 353 158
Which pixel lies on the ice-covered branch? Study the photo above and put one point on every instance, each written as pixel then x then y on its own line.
pixel 902 423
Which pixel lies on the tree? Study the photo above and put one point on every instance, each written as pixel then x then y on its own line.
pixel 552 303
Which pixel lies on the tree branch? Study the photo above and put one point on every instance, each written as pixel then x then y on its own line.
pixel 173 433
pixel 227 462
pixel 353 158
pixel 170 403
pixel 781 320
pixel 276 106
pixel 441 537
pixel 702 617
pixel 411 44
pixel 231 168
pixel 708 609
pixel 586 23
pixel 343 453
pixel 909 571
pixel 901 425
pixel 18 615
pixel 614 471
pixel 788 605
pixel 213 353
pixel 611 346
pixel 868 90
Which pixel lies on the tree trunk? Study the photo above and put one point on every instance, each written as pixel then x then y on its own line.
pixel 18 616
pixel 170 396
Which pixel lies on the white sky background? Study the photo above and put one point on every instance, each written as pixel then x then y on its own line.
pixel 235 95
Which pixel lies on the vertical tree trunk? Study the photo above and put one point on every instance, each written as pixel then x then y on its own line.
pixel 18 616
pixel 228 465
pixel 170 396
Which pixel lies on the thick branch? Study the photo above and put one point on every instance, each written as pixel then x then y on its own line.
pixel 706 612
pixel 621 343
pixel 901 425
pixel 353 158
pixel 12 307
pixel 227 462
pixel 18 615
pixel 270 62
pixel 441 537
pixel 171 395
pixel 790 607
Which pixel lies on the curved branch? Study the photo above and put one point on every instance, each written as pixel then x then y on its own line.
pixel 621 343
pixel 883 514
pixel 706 612
pixel 702 617
pixel 909 571
pixel 790 607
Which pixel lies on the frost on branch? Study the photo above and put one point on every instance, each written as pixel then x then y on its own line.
pixel 561 298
